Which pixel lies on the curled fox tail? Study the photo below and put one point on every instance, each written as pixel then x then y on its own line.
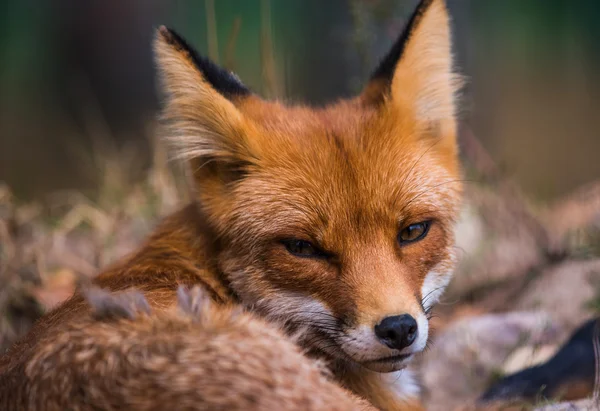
pixel 197 356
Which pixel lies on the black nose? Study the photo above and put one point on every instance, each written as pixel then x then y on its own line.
pixel 397 332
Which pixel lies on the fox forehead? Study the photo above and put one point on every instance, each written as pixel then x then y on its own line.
pixel 341 166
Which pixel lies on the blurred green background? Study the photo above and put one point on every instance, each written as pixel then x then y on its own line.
pixel 78 74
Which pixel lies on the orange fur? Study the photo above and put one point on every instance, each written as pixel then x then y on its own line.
pixel 347 178
pixel 122 356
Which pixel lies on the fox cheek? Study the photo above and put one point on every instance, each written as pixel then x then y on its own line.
pixel 437 279
pixel 433 287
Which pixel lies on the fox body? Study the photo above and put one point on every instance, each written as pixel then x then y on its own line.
pixel 133 359
pixel 337 221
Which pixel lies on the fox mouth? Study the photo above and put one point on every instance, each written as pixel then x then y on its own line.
pixel 390 359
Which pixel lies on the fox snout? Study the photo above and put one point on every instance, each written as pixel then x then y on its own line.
pixel 386 345
pixel 398 331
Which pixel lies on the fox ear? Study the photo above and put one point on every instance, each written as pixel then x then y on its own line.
pixel 417 74
pixel 200 111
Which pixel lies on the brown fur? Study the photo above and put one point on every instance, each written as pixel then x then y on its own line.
pixel 347 177
pixel 200 357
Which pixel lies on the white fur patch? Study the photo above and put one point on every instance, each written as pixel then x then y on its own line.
pixel 403 384
pixel 423 330
pixel 362 345
pixel 290 307
pixel 433 287
pixel 307 313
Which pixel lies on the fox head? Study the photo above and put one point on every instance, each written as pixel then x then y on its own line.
pixel 337 219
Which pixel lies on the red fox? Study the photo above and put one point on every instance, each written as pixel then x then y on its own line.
pixel 337 221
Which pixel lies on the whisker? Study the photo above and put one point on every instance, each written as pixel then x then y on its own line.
pixel 425 300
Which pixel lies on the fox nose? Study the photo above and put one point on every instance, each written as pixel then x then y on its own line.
pixel 398 331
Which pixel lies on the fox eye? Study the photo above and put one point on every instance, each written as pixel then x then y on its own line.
pixel 301 248
pixel 414 232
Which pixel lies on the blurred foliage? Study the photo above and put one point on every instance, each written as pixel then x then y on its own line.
pixel 78 72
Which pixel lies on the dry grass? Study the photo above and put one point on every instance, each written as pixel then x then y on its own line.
pixel 47 247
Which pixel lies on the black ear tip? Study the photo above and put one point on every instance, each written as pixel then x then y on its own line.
pixel 175 40
pixel 386 68
pixel 222 80
pixel 165 33
pixel 172 38
pixel 163 30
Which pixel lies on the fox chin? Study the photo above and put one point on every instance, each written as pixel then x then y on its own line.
pixel 335 223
